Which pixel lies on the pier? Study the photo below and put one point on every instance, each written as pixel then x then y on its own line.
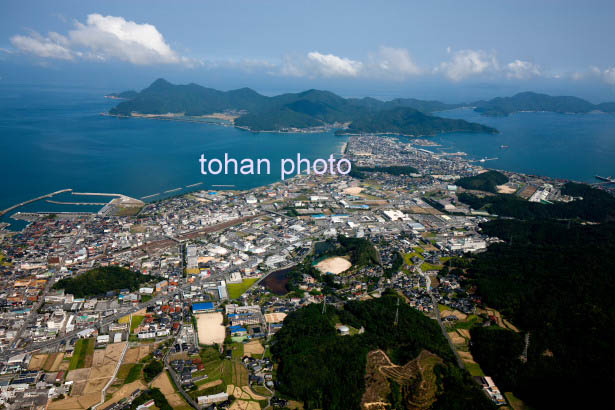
pixel 95 194
pixel 173 190
pixel 77 203
pixel 193 185
pixel 9 209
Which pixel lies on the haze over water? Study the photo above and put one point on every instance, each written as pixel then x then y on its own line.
pixel 569 146
pixel 55 138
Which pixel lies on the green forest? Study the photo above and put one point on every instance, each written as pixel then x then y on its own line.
pixel 554 280
pixel 359 172
pixel 99 281
pixel 327 371
pixel 296 110
pixel 487 181
pixel 595 205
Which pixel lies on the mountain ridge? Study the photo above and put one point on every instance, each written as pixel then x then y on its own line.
pixel 291 111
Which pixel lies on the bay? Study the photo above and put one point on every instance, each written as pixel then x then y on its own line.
pixel 568 146
pixel 56 138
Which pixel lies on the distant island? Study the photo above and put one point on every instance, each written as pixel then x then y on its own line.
pixel 308 110
pixel 125 95
pixel 529 101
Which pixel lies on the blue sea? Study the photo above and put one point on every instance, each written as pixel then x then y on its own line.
pixel 56 138
pixel 569 146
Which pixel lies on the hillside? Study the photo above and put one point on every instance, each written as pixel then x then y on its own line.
pixel 408 121
pixel 328 371
pixel 556 282
pixel 595 205
pixel 101 280
pixel 307 109
pixel 529 101
pixel 487 181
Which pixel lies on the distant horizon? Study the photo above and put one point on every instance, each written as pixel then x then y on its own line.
pixel 445 50
pixel 455 94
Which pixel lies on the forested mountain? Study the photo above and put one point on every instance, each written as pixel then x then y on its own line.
pixel 297 110
pixel 125 95
pixel 408 121
pixel 554 280
pixel 529 101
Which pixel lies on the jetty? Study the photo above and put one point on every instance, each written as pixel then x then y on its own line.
pixel 173 190
pixel 96 194
pixel 77 203
pixel 29 201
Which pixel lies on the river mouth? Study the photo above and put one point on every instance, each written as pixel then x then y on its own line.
pixel 277 281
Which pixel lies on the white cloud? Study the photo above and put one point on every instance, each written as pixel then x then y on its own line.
pixel 42 46
pixel 316 64
pixel 608 75
pixel 466 63
pixel 394 61
pixel 103 38
pixel 330 65
pixel 522 70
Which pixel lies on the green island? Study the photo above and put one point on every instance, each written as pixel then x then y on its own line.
pixel 308 109
pixel 530 101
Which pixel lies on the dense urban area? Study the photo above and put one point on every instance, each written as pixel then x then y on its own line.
pixel 368 290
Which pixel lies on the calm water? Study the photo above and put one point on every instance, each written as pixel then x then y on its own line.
pixel 56 138
pixel 571 146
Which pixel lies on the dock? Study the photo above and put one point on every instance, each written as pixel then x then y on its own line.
pixel 29 201
pixel 77 203
pixel 172 190
pixel 95 194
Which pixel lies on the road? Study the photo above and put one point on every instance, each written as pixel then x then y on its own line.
pixel 102 323
pixel 176 380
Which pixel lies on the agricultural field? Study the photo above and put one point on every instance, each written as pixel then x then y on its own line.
pixel 235 290
pixel 83 354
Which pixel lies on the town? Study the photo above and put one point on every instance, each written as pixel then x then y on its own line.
pixel 215 275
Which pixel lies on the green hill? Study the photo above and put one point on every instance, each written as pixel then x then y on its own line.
pixel 487 181
pixel 408 121
pixel 555 281
pixel 328 371
pixel 529 101
pixel 99 281
pixel 307 109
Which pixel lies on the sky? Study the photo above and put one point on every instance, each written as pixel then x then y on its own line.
pixel 455 50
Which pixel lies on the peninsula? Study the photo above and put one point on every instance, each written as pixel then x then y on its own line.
pixel 309 110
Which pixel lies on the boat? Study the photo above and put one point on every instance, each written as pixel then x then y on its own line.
pixel 503 146
pixel 606 179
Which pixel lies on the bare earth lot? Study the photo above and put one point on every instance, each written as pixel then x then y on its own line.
pixel 333 265
pixel 210 328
